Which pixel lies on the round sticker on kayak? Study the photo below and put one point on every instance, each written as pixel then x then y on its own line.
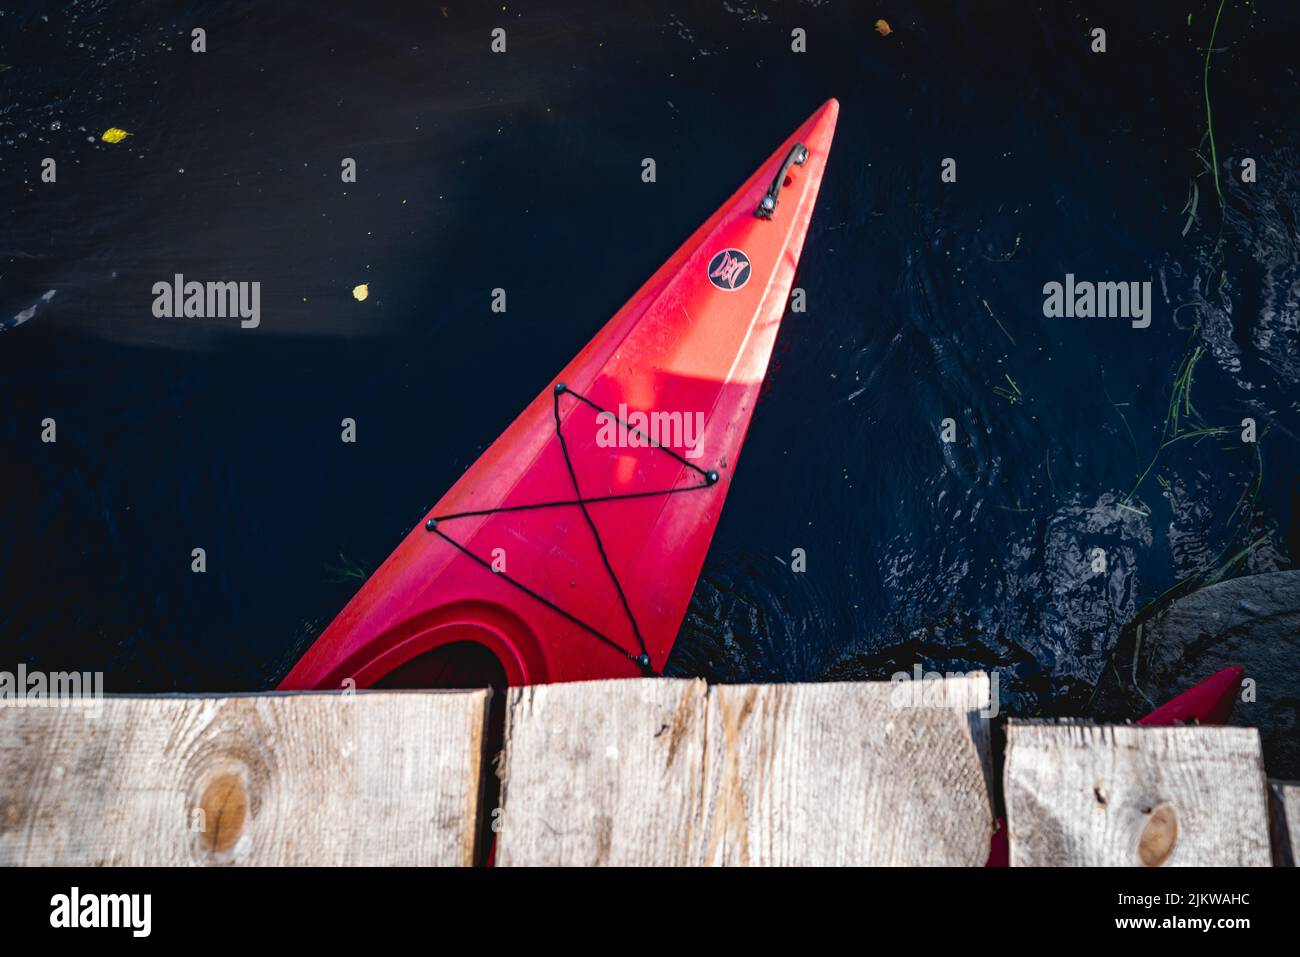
pixel 729 270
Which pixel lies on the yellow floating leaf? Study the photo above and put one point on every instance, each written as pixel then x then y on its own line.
pixel 114 135
pixel 359 293
pixel 883 28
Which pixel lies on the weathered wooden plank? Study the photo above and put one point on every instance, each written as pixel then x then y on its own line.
pixel 1085 795
pixel 662 772
pixel 861 773
pixel 373 778
pixel 603 772
pixel 1284 812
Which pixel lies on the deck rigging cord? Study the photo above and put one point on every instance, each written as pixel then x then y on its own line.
pixel 708 478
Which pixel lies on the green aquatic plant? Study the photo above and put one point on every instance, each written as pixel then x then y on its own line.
pixel 1137 456
pixel 1012 395
pixel 1223 569
pixel 1209 116
pixel 1180 412
pixel 1182 422
pixel 1183 586
pixel 346 570
pixel 1137 650
pixel 1211 164
pixel 1193 200
pixel 997 320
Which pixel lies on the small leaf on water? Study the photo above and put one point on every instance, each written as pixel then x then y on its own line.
pixel 883 28
pixel 359 293
pixel 114 135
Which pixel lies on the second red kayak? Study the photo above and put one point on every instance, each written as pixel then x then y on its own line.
pixel 570 549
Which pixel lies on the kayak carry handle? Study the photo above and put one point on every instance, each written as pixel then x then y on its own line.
pixel 767 205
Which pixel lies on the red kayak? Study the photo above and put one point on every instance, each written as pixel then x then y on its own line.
pixel 1209 702
pixel 570 549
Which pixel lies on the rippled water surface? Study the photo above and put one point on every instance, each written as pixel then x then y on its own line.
pixel 925 304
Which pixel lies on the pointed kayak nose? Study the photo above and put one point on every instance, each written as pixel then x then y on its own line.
pixel 828 113
pixel 1209 702
pixel 819 129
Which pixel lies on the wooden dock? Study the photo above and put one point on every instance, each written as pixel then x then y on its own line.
pixel 636 772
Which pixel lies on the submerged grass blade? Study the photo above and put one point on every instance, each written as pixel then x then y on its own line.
pixel 1137 651
pixel 1209 118
pixel 1192 202
pixel 1226 566
pixel 1180 411
pixel 346 570
pixel 996 319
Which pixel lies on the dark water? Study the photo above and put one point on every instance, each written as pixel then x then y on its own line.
pixel 522 170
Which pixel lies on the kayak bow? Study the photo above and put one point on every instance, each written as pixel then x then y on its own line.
pixel 570 549
pixel 1209 702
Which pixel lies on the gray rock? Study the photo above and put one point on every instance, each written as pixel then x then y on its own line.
pixel 1253 621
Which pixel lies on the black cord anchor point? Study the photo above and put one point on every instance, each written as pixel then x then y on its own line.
pixel 709 478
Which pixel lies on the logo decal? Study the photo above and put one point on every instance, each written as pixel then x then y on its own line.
pixel 729 269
